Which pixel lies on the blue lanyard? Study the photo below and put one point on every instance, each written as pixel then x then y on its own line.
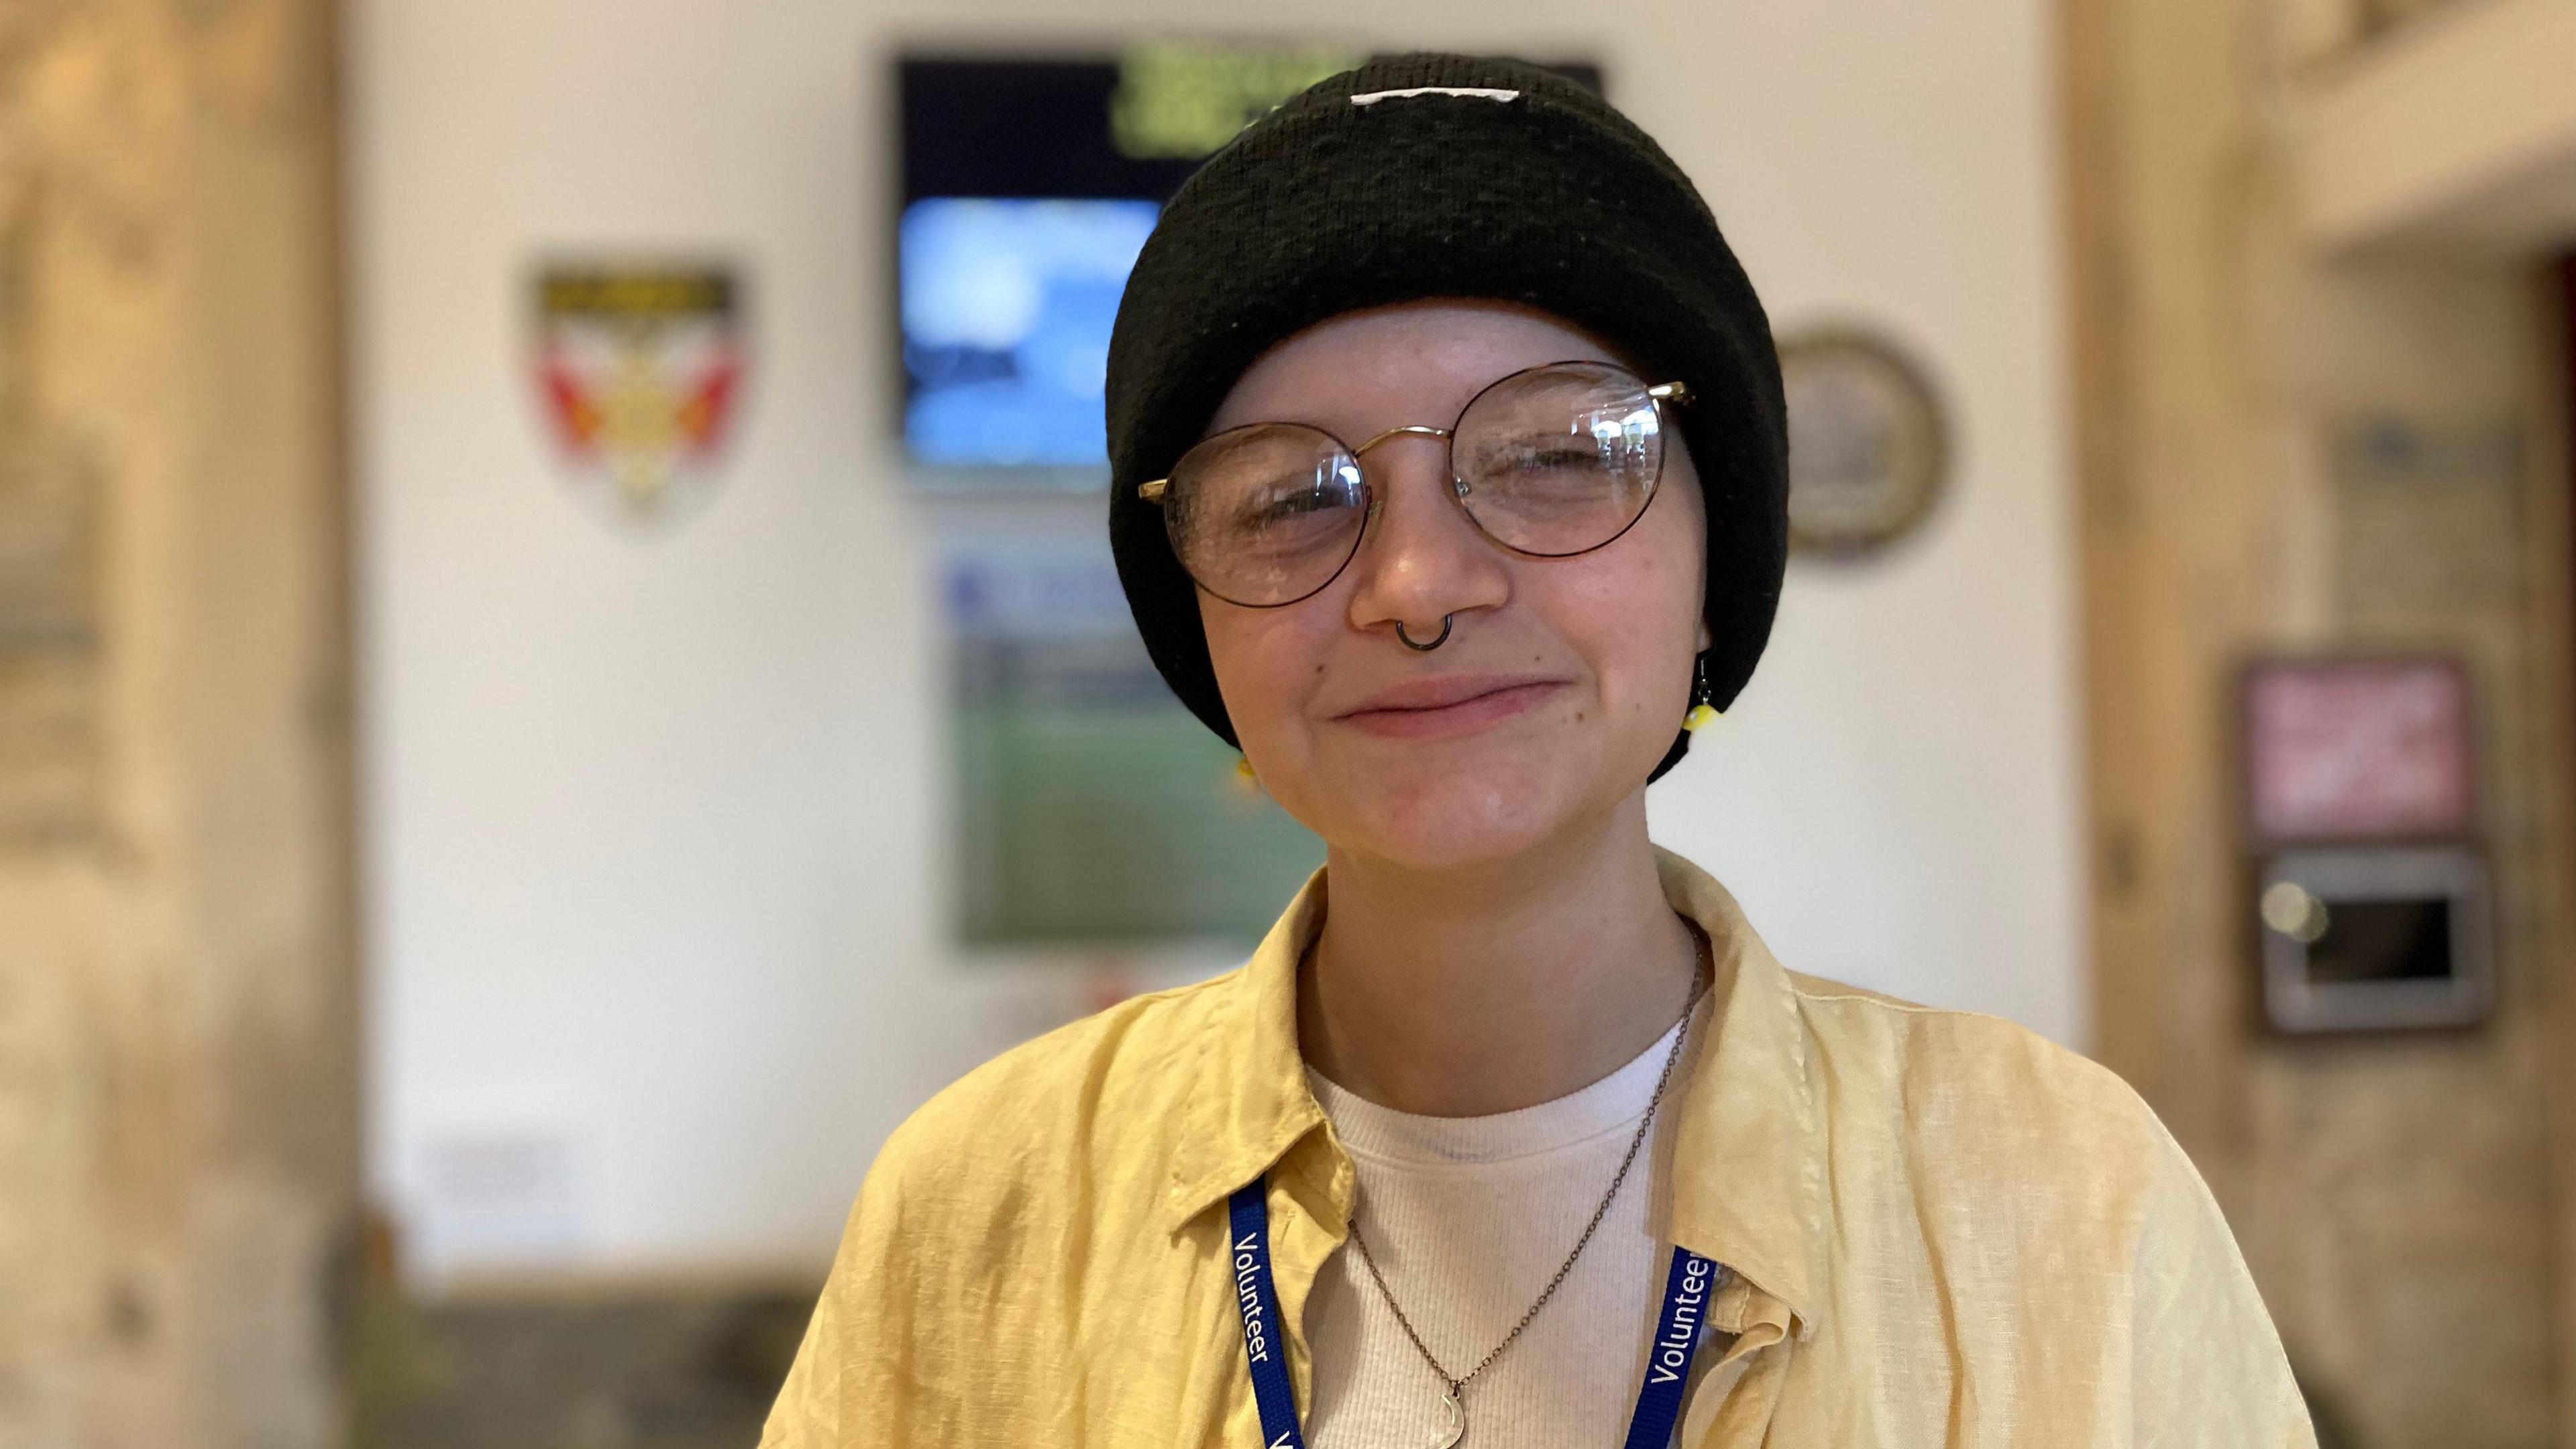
pixel 1265 1342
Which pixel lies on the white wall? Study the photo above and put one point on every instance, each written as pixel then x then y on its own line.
pixel 654 900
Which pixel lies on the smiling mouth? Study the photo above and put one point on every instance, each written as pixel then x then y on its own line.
pixel 1467 714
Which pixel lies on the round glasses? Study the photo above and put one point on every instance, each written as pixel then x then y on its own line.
pixel 1549 462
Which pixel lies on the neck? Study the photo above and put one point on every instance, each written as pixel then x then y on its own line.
pixel 1461 993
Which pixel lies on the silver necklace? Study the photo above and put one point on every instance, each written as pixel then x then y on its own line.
pixel 1455 1384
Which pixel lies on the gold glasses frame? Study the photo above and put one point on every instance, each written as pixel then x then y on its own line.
pixel 1676 393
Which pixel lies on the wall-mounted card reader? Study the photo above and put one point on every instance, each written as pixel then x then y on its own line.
pixel 2361 938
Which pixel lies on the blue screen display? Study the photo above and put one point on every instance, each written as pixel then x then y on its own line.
pixel 1007 306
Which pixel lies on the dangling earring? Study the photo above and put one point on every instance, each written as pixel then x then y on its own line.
pixel 1243 773
pixel 1702 713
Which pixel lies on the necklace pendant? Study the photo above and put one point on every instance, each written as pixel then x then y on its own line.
pixel 1457 1429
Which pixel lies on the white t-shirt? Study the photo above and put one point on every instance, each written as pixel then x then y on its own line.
pixel 1469 1217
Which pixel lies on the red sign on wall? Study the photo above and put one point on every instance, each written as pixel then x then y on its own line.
pixel 2357 749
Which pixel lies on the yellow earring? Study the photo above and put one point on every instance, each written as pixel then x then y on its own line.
pixel 1243 767
pixel 1702 713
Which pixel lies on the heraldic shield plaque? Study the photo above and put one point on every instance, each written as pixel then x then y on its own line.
pixel 641 370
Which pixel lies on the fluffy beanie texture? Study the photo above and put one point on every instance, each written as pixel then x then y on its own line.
pixel 1356 194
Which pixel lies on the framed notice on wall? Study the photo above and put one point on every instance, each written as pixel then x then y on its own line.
pixel 2352 749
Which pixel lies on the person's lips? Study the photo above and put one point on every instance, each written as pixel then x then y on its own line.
pixel 1452 704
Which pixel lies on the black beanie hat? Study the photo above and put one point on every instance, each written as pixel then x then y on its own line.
pixel 1437 175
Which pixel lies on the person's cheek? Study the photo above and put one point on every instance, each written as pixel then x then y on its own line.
pixel 1266 676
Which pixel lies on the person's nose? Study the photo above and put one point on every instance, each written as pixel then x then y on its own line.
pixel 1424 559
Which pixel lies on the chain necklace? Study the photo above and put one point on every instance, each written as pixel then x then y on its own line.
pixel 1456 1428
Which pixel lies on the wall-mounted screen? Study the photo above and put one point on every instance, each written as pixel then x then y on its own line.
pixel 1090 808
pixel 1028 186
pixel 1091 812
pixel 1007 306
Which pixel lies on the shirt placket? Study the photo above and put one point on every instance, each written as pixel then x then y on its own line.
pixel 1732 1405
pixel 1321 1185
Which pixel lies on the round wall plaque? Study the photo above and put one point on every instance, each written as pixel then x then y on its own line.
pixel 1868 447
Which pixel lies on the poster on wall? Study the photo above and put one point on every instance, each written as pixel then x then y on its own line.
pixel 2356 748
pixel 640 368
pixel 1090 807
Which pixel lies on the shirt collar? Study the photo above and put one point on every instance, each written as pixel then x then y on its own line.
pixel 1748 1169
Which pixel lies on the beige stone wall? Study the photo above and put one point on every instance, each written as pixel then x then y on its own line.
pixel 178 1084
pixel 2309 35
pixel 2394 1195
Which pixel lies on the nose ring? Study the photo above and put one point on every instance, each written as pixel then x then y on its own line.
pixel 1445 620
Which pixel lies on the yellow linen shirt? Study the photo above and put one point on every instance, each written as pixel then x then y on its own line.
pixel 1938 1229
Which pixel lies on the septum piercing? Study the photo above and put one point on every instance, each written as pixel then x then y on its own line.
pixel 1445 621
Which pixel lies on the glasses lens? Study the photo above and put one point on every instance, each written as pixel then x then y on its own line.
pixel 1265 514
pixel 1560 459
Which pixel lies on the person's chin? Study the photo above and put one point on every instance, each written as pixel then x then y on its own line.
pixel 1449 816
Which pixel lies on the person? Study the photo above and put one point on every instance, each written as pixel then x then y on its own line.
pixel 1449 477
